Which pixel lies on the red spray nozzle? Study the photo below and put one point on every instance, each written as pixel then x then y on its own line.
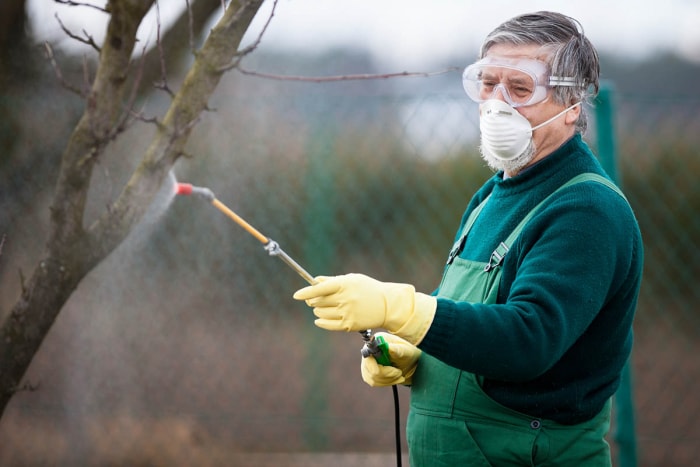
pixel 188 189
pixel 183 189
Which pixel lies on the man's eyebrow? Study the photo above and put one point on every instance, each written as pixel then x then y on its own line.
pixel 486 74
pixel 518 79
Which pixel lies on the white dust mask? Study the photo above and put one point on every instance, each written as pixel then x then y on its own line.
pixel 505 133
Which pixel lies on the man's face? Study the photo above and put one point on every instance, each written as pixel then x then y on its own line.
pixel 502 80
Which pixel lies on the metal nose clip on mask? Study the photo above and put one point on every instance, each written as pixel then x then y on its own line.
pixel 505 133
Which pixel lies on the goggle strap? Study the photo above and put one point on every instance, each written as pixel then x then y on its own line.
pixel 563 81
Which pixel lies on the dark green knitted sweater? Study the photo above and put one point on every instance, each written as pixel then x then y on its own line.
pixel 555 343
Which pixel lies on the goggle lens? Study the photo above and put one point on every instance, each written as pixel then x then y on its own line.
pixel 520 81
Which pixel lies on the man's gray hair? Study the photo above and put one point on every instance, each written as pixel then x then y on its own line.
pixel 570 53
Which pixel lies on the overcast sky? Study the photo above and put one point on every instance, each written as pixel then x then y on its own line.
pixel 420 33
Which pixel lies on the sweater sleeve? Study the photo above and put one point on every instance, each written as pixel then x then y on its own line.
pixel 564 266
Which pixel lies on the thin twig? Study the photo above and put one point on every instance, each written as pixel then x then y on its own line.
pixel 258 39
pixel 57 70
pixel 354 77
pixel 141 116
pixel 73 3
pixel 129 115
pixel 243 52
pixel 190 24
pixel 163 84
pixel 88 38
pixel 137 80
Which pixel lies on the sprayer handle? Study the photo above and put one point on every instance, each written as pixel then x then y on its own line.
pixel 377 347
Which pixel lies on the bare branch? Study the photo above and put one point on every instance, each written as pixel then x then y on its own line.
pixel 163 83
pixel 129 115
pixel 88 38
pixel 190 24
pixel 140 116
pixel 327 79
pixel 177 40
pixel 130 112
pixel 2 243
pixel 57 70
pixel 247 50
pixel 73 3
pixel 258 39
pixel 135 85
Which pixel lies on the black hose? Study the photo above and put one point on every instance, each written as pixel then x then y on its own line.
pixel 397 424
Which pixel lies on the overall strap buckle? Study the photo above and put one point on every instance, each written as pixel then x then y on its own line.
pixel 497 257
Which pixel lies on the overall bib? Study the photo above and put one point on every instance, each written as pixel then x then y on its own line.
pixel 452 422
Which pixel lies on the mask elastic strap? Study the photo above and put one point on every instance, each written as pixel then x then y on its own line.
pixel 555 117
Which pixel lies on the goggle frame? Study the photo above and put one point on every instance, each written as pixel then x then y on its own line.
pixel 537 70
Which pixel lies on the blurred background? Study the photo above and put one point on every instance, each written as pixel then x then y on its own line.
pixel 185 347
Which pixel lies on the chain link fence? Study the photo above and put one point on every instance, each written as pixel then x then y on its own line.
pixel 186 348
pixel 658 143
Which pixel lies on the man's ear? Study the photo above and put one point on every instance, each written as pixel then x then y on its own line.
pixel 572 115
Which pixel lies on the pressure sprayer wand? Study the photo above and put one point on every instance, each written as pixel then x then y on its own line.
pixel 270 245
pixel 373 346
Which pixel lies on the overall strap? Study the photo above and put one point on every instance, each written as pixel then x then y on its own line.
pixel 502 249
pixel 465 230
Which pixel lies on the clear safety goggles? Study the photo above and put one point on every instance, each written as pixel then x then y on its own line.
pixel 521 81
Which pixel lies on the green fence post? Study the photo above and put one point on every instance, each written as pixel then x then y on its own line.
pixel 318 253
pixel 624 434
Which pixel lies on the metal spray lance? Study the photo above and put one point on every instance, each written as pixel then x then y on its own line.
pixel 376 347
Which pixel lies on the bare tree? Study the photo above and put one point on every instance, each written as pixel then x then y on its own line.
pixel 72 248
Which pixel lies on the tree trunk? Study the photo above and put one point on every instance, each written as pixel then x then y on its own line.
pixel 73 250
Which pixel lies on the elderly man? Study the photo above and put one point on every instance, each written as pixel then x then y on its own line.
pixel 515 356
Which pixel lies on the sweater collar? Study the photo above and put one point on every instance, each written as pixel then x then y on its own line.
pixel 542 169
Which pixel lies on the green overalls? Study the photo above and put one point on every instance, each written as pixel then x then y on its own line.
pixel 452 422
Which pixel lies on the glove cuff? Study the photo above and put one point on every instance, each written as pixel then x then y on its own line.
pixel 408 375
pixel 416 326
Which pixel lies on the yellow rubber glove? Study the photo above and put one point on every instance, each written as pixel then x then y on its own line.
pixel 404 359
pixel 355 302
